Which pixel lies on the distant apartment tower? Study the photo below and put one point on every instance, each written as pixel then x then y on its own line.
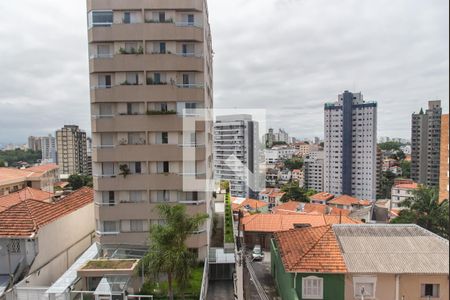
pixel 281 136
pixel 444 165
pixel 150 67
pixel 350 165
pixel 34 143
pixel 237 135
pixel 269 138
pixel 71 150
pixel 48 145
pixel 313 171
pixel 379 171
pixel 425 144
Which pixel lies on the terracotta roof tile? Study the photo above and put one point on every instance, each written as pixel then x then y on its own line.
pixel 310 250
pixel 345 200
pixel 241 203
pixel 323 196
pixel 300 207
pixel 281 222
pixel 25 218
pixel 27 193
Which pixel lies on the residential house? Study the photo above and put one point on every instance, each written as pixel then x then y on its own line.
pixel 248 205
pixel 348 202
pixel 284 176
pixel 321 198
pixel 259 228
pixel 39 240
pixel 272 196
pixel 40 177
pixel 402 191
pixel 297 175
pixel 271 177
pixel 6 201
pixel 362 261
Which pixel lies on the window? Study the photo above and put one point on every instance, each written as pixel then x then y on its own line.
pixel 162 17
pixel 429 290
pixel 163 167
pixel 312 287
pixel 107 139
pixel 104 81
pixel 105 109
pixel 136 196
pixel 165 137
pixel 138 167
pixel 103 51
pixel 364 286
pixel 100 18
pixel 163 196
pixel 132 78
pixel 108 169
pixel 14 246
pixel 133 108
pixel 127 17
pixel 110 226
pixel 131 47
pixel 136 225
pixel 108 198
pixel 162 48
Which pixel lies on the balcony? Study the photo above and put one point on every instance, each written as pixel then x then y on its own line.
pixel 144 153
pixel 195 5
pixel 139 182
pixel 142 93
pixel 145 31
pixel 142 62
pixel 155 123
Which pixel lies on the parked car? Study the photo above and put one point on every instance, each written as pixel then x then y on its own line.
pixel 257 253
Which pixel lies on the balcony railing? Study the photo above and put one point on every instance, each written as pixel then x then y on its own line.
pixel 190 85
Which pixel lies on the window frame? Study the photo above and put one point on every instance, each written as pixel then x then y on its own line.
pixel 364 280
pixel 305 295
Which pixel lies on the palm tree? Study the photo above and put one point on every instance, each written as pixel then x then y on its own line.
pixel 424 209
pixel 167 251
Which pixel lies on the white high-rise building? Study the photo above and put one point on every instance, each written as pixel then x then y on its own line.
pixel 351 146
pixel 48 145
pixel 237 135
pixel 313 171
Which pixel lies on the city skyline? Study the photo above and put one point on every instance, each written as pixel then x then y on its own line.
pixel 402 72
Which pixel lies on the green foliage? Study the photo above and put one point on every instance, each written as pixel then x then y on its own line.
pixel 424 209
pixel 225 185
pixel 2 163
pixel 294 192
pixel 14 156
pixel 77 181
pixel 387 181
pixel 168 252
pixel 278 143
pixel 390 146
pixel 228 237
pixel 293 163
pixel 124 170
pixel 406 168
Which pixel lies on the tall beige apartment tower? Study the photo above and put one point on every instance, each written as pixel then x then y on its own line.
pixel 150 64
pixel 71 150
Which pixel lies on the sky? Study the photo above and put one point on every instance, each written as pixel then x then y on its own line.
pixel 286 56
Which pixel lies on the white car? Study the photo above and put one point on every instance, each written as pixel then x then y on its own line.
pixel 257 253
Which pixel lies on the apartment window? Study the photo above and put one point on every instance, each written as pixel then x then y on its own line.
pixel 127 17
pixel 138 167
pixel 136 225
pixel 103 51
pixel 132 78
pixel 312 287
pixel 186 80
pixel 429 290
pixel 157 78
pixel 163 196
pixel 108 198
pixel 107 139
pixel 107 169
pixel 104 81
pixel 163 167
pixel 164 138
pixel 136 196
pixel 162 17
pixel 132 108
pixel 190 19
pixel 100 18
pixel 162 47
pixel 364 286
pixel 105 109
pixel 131 47
pixel 163 107
pixel 110 226
pixel 135 138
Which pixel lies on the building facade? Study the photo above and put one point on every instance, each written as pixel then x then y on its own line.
pixel 48 144
pixel 351 147
pixel 425 144
pixel 71 150
pixel 34 143
pixel 444 164
pixel 150 69
pixel 236 153
pixel 313 170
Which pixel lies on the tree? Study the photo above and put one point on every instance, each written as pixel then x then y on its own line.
pixel 293 163
pixel 2 163
pixel 294 192
pixel 406 168
pixel 424 209
pixel 168 252
pixel 14 156
pixel 390 146
pixel 77 181
pixel 387 181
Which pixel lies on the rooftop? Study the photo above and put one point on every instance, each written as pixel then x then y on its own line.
pixel 364 248
pixel 26 217
pixel 11 175
pixel 313 249
pixel 300 207
pixel 27 193
pixel 406 186
pixel 323 196
pixel 238 203
pixel 345 200
pixel 281 222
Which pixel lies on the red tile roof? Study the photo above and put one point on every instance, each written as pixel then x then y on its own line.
pixel 253 203
pixel 323 196
pixel 27 193
pixel 339 211
pixel 310 250
pixel 300 207
pixel 25 218
pixel 408 186
pixel 344 200
pixel 281 222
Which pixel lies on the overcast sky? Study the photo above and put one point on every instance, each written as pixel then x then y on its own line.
pixel 287 56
